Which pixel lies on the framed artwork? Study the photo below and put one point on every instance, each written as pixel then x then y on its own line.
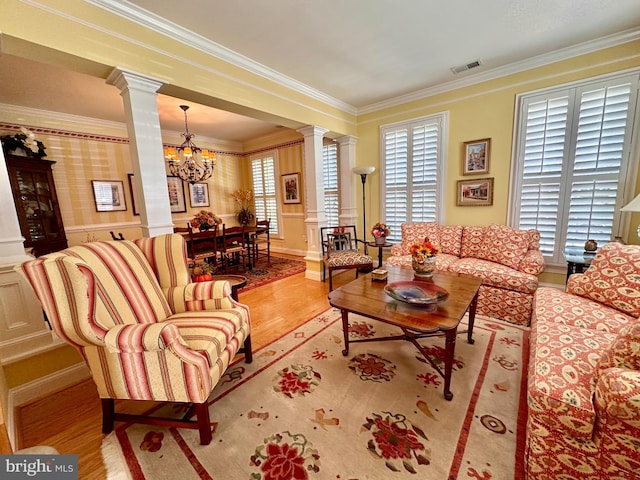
pixel 476 157
pixel 475 193
pixel 291 188
pixel 176 194
pixel 109 195
pixel 199 194
pixel 134 198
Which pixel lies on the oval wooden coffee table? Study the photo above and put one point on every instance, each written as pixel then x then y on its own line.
pixel 367 297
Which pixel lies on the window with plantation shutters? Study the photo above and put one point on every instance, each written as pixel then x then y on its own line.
pixel 263 173
pixel 572 162
pixel 330 174
pixel 413 160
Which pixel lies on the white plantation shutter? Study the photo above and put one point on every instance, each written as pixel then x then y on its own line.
pixel 263 173
pixel 330 174
pixel 573 150
pixel 412 163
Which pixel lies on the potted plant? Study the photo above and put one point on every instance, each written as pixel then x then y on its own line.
pixel 244 199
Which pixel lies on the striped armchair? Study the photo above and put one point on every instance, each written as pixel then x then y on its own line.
pixel 145 331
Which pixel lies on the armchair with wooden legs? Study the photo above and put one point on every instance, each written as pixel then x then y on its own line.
pixel 340 251
pixel 144 330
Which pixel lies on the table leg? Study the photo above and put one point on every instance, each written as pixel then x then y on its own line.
pixel 472 318
pixel 450 346
pixel 379 257
pixel 345 331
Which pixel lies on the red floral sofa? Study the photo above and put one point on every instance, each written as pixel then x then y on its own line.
pixel 506 259
pixel 584 373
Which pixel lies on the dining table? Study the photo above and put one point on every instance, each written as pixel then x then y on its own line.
pixel 205 237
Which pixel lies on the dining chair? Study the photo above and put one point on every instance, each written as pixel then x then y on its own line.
pixel 201 246
pixel 340 251
pixel 260 241
pixel 235 249
pixel 145 331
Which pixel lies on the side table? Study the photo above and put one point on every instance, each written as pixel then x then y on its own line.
pixel 577 261
pixel 379 247
pixel 236 282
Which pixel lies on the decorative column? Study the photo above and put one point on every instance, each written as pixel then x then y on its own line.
pixel 314 198
pixel 348 184
pixel 145 139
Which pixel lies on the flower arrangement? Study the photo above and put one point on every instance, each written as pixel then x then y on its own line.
pixel 380 230
pixel 244 199
pixel 202 272
pixel 424 250
pixel 205 219
pixel 26 140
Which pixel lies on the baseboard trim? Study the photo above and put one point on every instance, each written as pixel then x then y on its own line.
pixel 39 388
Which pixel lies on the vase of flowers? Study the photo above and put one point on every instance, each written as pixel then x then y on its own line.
pixel 423 258
pixel 244 199
pixel 380 233
pixel 204 220
pixel 23 143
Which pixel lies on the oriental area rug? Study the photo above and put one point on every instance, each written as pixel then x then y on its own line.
pixel 277 269
pixel 302 410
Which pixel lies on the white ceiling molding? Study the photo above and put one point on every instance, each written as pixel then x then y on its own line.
pixel 161 25
pixel 516 67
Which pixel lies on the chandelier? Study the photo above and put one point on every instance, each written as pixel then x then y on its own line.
pixel 189 162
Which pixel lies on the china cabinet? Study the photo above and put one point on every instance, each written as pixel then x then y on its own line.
pixel 34 194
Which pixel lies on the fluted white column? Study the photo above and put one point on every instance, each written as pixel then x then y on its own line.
pixel 348 181
pixel 315 217
pixel 145 139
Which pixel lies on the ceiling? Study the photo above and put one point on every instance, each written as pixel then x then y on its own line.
pixel 358 53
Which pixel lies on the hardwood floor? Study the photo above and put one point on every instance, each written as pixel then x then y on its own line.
pixel 70 420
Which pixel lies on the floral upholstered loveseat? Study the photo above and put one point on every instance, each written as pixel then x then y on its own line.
pixel 584 373
pixel 506 259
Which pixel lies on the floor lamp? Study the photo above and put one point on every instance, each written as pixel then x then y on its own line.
pixel 363 172
pixel 633 206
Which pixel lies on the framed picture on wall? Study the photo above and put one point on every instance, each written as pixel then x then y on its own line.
pixel 475 193
pixel 176 194
pixel 291 188
pixel 134 197
pixel 109 195
pixel 476 157
pixel 199 195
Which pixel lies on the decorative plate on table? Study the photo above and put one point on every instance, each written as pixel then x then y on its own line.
pixel 416 292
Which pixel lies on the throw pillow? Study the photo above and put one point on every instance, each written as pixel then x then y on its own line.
pixel 613 279
pixel 450 239
pixel 505 245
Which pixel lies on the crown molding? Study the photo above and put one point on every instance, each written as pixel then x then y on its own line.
pixel 161 25
pixel 510 69
pixel 57 118
pixel 55 122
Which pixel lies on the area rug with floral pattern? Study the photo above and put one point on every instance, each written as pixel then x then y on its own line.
pixel 276 269
pixel 302 410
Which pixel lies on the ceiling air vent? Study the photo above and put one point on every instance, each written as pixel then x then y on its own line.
pixel 468 66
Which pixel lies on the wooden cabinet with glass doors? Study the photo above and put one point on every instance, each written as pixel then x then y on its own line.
pixel 34 194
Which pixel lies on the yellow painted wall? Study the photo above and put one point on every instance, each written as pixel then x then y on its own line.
pixel 487 111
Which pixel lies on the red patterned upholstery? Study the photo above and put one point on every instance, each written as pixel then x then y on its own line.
pixel 340 251
pixel 584 374
pixel 145 332
pixel 613 279
pixel 507 260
